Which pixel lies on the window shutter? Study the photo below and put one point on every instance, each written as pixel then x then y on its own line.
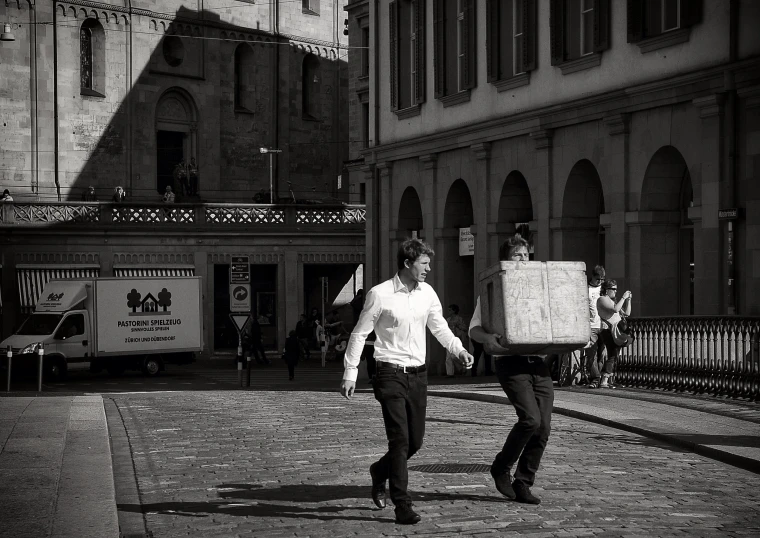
pixel 635 20
pixel 492 39
pixel 529 29
pixel 393 22
pixel 601 25
pixel 470 67
pixel 439 47
pixel 691 12
pixel 557 29
pixel 419 51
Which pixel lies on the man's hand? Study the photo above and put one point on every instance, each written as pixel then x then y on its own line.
pixel 347 388
pixel 492 345
pixel 466 359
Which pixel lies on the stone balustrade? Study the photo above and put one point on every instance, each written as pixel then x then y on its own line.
pixel 202 214
pixel 718 355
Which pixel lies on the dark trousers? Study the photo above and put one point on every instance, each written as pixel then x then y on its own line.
pixel 528 384
pixel 593 353
pixel 368 354
pixel 477 350
pixel 403 399
pixel 291 370
pixel 257 350
pixel 610 365
pixel 305 348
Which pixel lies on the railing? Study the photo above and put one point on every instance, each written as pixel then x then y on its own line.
pixel 718 355
pixel 212 214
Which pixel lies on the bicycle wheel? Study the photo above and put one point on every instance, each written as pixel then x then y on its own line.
pixel 565 375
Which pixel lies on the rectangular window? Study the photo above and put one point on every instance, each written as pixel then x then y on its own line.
pixel 517 37
pixel 362 193
pixel 662 16
pixel 510 38
pixel 651 18
pixel 407 53
pixel 365 51
pixel 454 40
pixel 578 28
pixel 461 47
pixel 310 6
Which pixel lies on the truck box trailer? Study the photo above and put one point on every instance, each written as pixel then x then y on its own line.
pixel 114 324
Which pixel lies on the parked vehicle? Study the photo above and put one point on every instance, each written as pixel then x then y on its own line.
pixel 113 323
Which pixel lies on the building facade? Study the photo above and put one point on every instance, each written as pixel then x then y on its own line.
pixel 149 95
pixel 624 133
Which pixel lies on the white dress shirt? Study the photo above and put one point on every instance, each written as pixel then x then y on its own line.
pixel 399 316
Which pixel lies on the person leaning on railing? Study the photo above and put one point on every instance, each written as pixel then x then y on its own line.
pixel 610 312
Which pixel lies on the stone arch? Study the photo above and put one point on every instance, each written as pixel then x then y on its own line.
pixel 410 214
pixel 92 57
pixel 667 244
pixel 176 135
pixel 311 88
pixel 580 234
pixel 459 271
pixel 515 209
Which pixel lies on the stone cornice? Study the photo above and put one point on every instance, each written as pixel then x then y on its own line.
pixel 710 105
pixel 429 160
pixel 385 168
pixel 617 124
pixel 481 150
pixel 542 138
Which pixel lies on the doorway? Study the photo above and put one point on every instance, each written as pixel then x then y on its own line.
pixel 170 150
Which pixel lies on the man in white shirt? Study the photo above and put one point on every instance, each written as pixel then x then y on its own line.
pixel 528 384
pixel 593 349
pixel 398 310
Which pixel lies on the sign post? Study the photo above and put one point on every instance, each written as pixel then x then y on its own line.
pixel 240 270
pixel 240 297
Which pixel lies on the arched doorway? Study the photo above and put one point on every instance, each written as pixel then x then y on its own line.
pixel 582 204
pixel 459 281
pixel 176 135
pixel 410 214
pixel 667 248
pixel 515 209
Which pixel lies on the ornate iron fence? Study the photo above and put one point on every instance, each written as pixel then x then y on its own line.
pixel 718 355
pixel 211 214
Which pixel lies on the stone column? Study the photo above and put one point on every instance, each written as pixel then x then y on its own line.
pixel 372 269
pixel 481 211
pixel 615 177
pixel 710 259
pixel 202 269
pixel 747 265
pixel 544 178
pixel 384 221
pixel 293 292
pixel 428 201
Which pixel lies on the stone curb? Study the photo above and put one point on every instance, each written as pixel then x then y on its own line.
pixel 736 460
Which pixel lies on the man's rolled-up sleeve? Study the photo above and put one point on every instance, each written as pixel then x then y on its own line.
pixel 364 326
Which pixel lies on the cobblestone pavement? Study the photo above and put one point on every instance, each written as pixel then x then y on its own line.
pixel 241 463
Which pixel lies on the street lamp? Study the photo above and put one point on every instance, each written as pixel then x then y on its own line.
pixel 271 177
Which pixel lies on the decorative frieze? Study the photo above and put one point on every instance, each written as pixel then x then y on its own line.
pixel 254 258
pixel 331 257
pixel 153 258
pixel 78 258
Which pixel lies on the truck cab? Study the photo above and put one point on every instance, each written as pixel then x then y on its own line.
pixel 60 324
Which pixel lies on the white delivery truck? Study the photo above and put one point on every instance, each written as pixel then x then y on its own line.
pixel 112 323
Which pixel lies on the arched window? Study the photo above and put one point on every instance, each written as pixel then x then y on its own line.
pixel 92 61
pixel 311 88
pixel 244 79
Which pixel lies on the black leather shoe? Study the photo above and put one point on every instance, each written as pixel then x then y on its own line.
pixel 504 484
pixel 378 488
pixel 405 515
pixel 523 494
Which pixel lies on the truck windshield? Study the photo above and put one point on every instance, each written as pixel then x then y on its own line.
pixel 40 324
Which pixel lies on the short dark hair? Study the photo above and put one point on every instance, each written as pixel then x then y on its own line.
pixel 411 249
pixel 455 308
pixel 599 272
pixel 507 246
pixel 607 284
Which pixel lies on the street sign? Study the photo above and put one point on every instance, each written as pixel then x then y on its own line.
pixel 240 270
pixel 239 320
pixel 726 214
pixel 240 297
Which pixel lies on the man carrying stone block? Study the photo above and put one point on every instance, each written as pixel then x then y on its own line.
pixel 527 382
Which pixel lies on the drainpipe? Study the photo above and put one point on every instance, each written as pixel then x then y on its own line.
pixel 376 183
pixel 55 102
pixel 33 91
pixel 129 182
pixel 730 126
pixel 276 96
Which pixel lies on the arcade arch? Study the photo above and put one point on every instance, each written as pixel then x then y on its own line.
pixel 176 134
pixel 410 214
pixel 459 281
pixel 515 210
pixel 582 204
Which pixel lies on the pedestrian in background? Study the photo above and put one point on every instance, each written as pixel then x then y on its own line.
pixel 257 346
pixel 303 332
pixel 527 382
pixel 89 195
pixel 357 303
pixel 593 349
pixel 368 355
pixel 319 331
pixel 118 194
pixel 610 312
pixel 168 195
pixel 292 353
pixel 6 197
pixel 459 328
pixel 398 310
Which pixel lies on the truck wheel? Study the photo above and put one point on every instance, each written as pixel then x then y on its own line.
pixel 55 369
pixel 151 366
